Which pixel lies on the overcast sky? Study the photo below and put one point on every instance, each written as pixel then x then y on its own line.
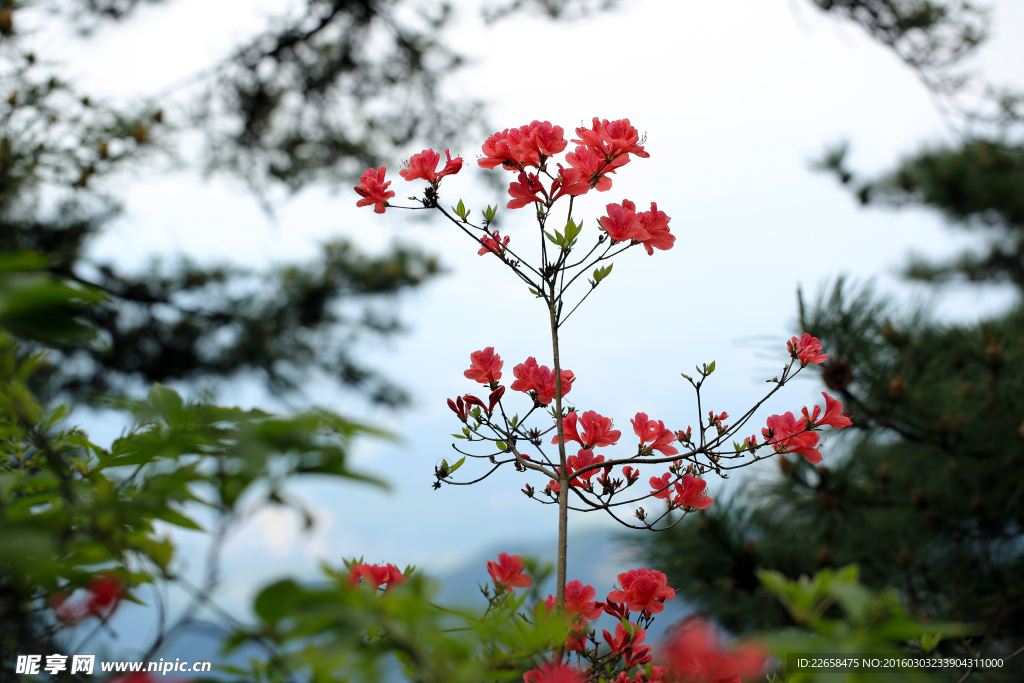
pixel 735 96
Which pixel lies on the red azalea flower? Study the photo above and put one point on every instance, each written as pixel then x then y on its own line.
pixel 374 190
pixel 569 182
pixel 787 435
pixel 629 643
pixel 553 672
pixel 105 595
pixel 568 430
pixel 584 458
pixel 598 432
pixel 655 224
pixel 690 492
pixel 494 245
pixel 579 601
pixel 505 149
pixel 659 674
pixel 592 167
pixel 807 349
pixel 660 486
pixel 507 572
pixel 622 639
pixel 484 366
pixel 527 190
pixel 543 138
pixel 694 656
pixel 613 138
pixel 660 436
pixel 423 166
pixel 539 378
pixel 643 589
pixel 833 417
pixel 621 222
pixel 375 576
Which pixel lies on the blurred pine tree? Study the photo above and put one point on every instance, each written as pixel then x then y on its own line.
pixel 324 92
pixel 929 497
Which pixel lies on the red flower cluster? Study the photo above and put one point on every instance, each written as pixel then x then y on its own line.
pixel 554 672
pixel 507 572
pixel 659 674
pixel 104 595
pixel 689 490
pixel 584 458
pixel 787 434
pixel 807 349
pixel 422 166
pixel 517 148
pixel 642 590
pixel 660 436
pixel 598 430
pixel 694 656
pixel 650 228
pixel 374 190
pixel 580 608
pixel 376 576
pixel 603 148
pixel 493 245
pixel 529 189
pixel 628 644
pixel 540 378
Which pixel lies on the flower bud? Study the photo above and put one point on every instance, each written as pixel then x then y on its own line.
pixel 495 396
pixel 458 408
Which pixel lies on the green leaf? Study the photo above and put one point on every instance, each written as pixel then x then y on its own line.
pixel 274 601
pixel 160 552
pixel 602 272
pixel 711 368
pixel 501 445
pixel 178 519
pixel 571 232
pixel 929 641
pixel 457 465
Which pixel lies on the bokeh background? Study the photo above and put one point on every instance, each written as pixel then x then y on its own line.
pixel 736 97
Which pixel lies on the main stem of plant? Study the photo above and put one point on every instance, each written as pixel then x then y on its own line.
pixel 563 476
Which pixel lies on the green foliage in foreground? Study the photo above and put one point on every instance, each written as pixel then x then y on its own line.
pixel 71 509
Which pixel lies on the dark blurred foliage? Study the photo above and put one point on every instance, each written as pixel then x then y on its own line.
pixel 976 185
pixel 924 33
pixel 73 512
pixel 318 96
pixel 927 497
